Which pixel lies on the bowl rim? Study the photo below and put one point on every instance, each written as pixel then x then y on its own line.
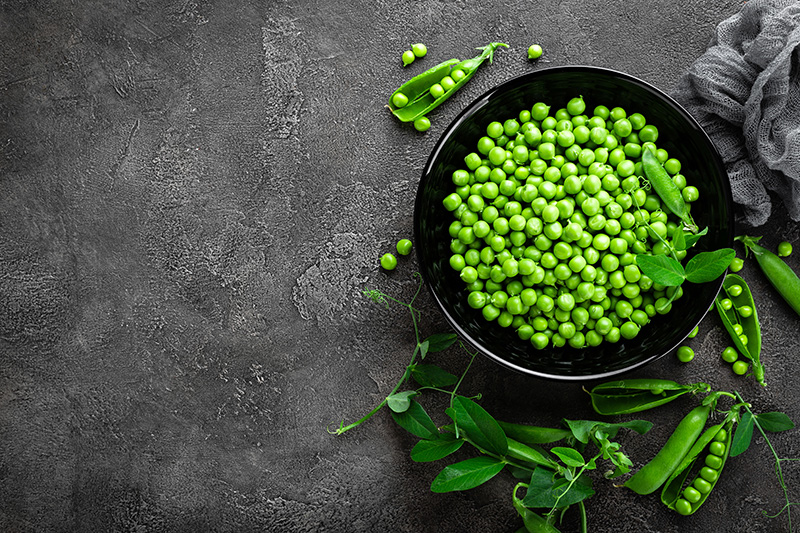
pixel 475 106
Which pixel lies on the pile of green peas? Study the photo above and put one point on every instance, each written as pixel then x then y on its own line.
pixel 550 212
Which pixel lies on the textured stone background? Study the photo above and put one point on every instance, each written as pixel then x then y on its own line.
pixel 193 195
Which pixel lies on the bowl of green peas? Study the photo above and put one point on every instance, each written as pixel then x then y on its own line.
pixel 534 209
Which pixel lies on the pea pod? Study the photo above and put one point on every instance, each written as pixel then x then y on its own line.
pixel 714 446
pixel 666 189
pixel 652 475
pixel 417 89
pixel 523 452
pixel 634 395
pixel 533 434
pixel 750 325
pixel 779 274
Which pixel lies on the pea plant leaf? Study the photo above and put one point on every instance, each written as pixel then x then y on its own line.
pixel 399 402
pixel 743 435
pixel 661 269
pixel 547 489
pixel 708 266
pixel 416 421
pixel 690 240
pixel 481 428
pixel 432 376
pixel 583 429
pixel 440 341
pixel 423 349
pixel 467 474
pixel 569 456
pixel 432 450
pixel 774 422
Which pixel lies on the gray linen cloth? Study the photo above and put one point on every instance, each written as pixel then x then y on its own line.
pixel 745 92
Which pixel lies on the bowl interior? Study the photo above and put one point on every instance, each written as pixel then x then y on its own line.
pixel 679 134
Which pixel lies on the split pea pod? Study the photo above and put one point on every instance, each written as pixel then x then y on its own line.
pixel 779 274
pixel 424 92
pixel 633 395
pixel 713 447
pixel 653 475
pixel 736 307
pixel 666 189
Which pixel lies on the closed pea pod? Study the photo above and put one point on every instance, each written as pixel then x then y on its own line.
pixel 666 189
pixel 652 476
pixel 417 90
pixel 691 483
pixel 748 325
pixel 779 274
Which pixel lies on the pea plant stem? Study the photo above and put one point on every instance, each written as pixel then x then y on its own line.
pixel 778 470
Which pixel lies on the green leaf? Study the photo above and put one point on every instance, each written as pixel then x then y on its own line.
pixel 416 421
pixel 399 402
pixel 440 341
pixel 432 450
pixel 423 349
pixel 708 266
pixel 467 474
pixel 691 240
pixel 432 376
pixel 774 421
pixel 569 456
pixel 661 269
pixel 545 488
pixel 743 435
pixel 481 428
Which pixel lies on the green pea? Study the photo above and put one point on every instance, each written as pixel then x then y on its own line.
pixel 404 246
pixel 419 50
pixel 730 355
pixel 740 368
pixel 736 264
pixel 784 249
pixel 683 506
pixel 685 354
pixel 692 494
pixel 399 100
pixel 629 330
pixel 422 124
pixel 702 486
pixel 534 51
pixel 388 261
pixel 717 448
pixel 713 461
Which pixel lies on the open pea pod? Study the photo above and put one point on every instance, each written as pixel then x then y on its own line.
pixel 633 395
pixel 417 89
pixel 713 447
pixel 751 328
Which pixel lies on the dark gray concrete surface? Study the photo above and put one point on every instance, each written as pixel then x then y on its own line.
pixel 193 195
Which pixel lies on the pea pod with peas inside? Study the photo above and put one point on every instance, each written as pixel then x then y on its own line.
pixel 779 274
pixel 737 310
pixel 713 447
pixel 424 92
pixel 634 395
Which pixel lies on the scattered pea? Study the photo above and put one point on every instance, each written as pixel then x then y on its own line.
pixel 419 49
pixel 404 246
pixel 740 368
pixel 737 264
pixel 694 332
pixel 408 57
pixel 785 249
pixel 685 354
pixel 730 355
pixel 534 51
pixel 422 124
pixel 388 261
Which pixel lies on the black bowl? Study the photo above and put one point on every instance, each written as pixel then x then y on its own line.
pixel 679 134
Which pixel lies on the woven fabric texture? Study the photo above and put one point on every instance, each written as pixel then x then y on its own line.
pixel 745 91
